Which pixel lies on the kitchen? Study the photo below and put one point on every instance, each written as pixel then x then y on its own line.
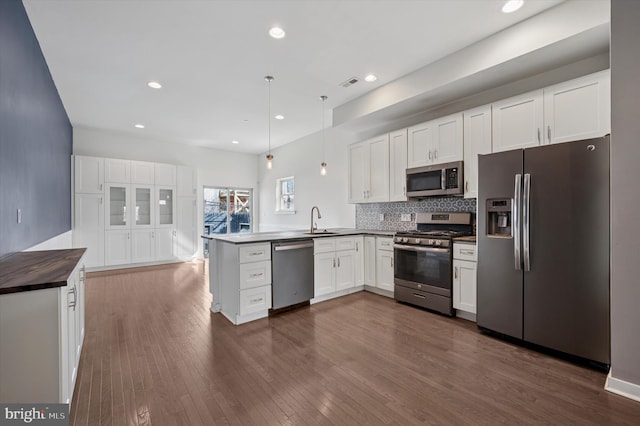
pixel 89 141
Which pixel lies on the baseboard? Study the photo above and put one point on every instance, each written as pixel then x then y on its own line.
pixel 340 293
pixel 378 291
pixel 620 387
pixel 465 315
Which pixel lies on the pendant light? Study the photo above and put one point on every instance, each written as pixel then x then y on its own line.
pixel 323 165
pixel 269 156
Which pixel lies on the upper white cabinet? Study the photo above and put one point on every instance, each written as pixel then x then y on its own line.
pixel 420 145
pixel 517 122
pixel 186 228
pixel 447 140
pixel 186 181
pixel 477 140
pixel 117 171
pixel 572 110
pixel 88 175
pixel 117 206
pixel 369 171
pixel 166 207
pixel 578 109
pixel 398 165
pixel 165 174
pixel 142 172
pixel 436 141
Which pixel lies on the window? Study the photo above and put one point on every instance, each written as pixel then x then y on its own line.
pixel 285 195
pixel 227 210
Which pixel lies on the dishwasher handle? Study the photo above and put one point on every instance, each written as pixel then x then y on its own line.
pixel 278 247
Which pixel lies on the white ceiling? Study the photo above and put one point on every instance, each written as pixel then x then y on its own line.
pixel 211 57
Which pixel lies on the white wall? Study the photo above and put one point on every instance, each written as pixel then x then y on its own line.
pixel 215 168
pixel 301 159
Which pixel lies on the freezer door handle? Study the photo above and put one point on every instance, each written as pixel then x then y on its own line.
pixel 515 214
pixel 526 216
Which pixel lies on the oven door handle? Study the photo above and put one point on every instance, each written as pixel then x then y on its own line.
pixel 421 249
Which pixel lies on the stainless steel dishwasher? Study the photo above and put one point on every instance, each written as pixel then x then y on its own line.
pixel 291 272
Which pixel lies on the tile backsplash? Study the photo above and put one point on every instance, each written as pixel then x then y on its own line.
pixel 368 215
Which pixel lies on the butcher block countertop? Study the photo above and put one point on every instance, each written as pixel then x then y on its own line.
pixel 37 270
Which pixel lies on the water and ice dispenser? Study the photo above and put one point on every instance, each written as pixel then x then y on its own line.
pixel 499 217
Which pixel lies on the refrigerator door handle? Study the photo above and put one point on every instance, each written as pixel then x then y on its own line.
pixel 515 214
pixel 526 216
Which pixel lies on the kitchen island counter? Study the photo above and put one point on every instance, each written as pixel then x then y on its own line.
pixel 261 237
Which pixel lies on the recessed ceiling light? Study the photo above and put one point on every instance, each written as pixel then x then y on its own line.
pixel 139 126
pixel 512 6
pixel 277 32
pixel 235 142
pixel 370 78
pixel 279 117
pixel 154 85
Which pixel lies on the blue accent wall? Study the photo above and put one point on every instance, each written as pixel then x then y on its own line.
pixel 35 139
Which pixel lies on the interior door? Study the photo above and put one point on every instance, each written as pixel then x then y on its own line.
pixel 566 292
pixel 499 281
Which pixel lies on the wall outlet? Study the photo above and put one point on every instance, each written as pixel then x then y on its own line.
pixel 405 217
pixel 381 217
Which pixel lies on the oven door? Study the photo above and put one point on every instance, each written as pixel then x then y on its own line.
pixel 423 268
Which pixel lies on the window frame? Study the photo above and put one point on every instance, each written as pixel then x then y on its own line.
pixel 279 196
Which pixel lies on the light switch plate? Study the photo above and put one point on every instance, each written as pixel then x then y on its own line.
pixel 381 217
pixel 19 215
pixel 405 217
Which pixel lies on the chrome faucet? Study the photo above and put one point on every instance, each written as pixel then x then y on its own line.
pixel 313 228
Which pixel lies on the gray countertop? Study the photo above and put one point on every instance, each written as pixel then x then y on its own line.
pixel 261 237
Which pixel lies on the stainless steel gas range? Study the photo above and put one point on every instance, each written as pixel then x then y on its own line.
pixel 423 258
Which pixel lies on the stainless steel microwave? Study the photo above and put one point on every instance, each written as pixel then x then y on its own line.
pixel 435 180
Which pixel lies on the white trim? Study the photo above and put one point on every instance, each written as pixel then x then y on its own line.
pixel 284 212
pixel 378 291
pixel 620 387
pixel 338 293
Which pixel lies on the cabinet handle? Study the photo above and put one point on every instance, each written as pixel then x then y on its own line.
pixel 429 154
pixel 100 187
pixel 538 134
pixel 100 200
pixel 83 273
pixel 435 154
pixel 153 234
pixel 258 300
pixel 466 186
pixel 338 262
pixel 72 304
pixel 334 262
pixel 128 235
pixel 404 190
pixel 256 275
pixel 356 246
pixel 256 253
pixel 455 272
pixel 549 133
pixel 469 252
pixel 391 262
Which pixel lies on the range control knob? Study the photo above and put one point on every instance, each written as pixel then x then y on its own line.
pixel 404 239
pixel 430 242
pixel 418 240
pixel 438 242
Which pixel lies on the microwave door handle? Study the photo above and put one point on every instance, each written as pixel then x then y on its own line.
pixel 515 214
pixel 526 220
pixel 443 179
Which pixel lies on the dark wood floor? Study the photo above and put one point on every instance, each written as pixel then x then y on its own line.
pixel 155 354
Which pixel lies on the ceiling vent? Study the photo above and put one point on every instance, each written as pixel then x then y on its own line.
pixel 350 82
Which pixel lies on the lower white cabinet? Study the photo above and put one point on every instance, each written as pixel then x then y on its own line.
pixel 41 332
pixel 370 261
pixel 334 264
pixel 88 227
pixel 143 245
pixel 117 247
pixel 359 261
pixel 384 263
pixel 186 244
pixel 464 277
pixel 165 241
pixel 242 277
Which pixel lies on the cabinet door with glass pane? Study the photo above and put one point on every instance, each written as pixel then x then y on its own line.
pixel 165 206
pixel 143 206
pixel 117 206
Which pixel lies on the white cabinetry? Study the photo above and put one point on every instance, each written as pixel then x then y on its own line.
pixel 244 274
pixel 117 206
pixel 384 263
pixel 165 174
pixel 42 333
pixel 186 228
pixel 186 181
pixel 370 261
pixel 477 140
pixel 117 247
pixel 88 175
pixel 117 171
pixel 464 279
pixel 572 110
pixel 578 109
pixel 369 171
pixel 142 172
pixel 143 245
pixel 517 122
pixel 359 260
pixel 436 141
pixel 88 227
pixel 398 165
pixel 334 264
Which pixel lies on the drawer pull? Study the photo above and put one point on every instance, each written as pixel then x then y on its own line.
pixel 469 252
pixel 419 296
pixel 257 300
pixel 256 253
pixel 256 275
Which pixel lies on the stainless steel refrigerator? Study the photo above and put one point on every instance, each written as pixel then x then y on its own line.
pixel 543 246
